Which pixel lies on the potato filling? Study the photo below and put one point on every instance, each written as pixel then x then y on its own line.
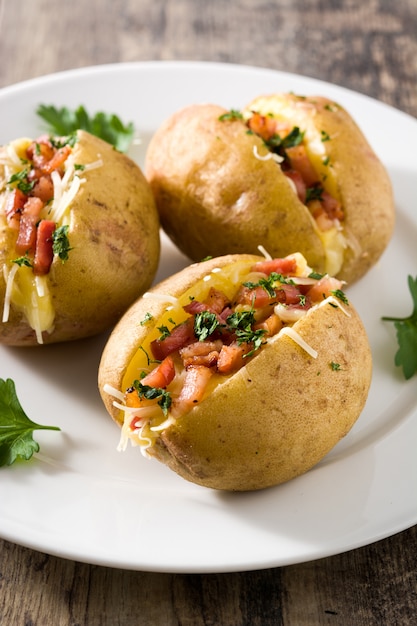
pixel 299 149
pixel 40 181
pixel 210 333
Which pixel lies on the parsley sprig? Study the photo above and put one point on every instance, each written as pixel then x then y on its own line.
pixel 406 327
pixel 109 127
pixel 16 429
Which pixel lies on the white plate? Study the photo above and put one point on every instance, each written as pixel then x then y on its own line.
pixel 83 500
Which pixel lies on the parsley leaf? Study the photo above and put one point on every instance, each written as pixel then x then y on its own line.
pixel 106 126
pixel 406 327
pixel 16 428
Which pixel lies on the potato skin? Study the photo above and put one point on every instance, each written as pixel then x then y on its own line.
pixel 114 235
pixel 214 197
pixel 274 419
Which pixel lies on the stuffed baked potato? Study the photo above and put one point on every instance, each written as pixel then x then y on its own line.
pixel 79 238
pixel 238 373
pixel 287 172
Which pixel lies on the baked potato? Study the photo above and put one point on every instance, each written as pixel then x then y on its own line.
pixel 288 173
pixel 79 238
pixel 239 372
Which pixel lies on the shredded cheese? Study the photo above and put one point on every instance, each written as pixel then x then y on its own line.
pixel 292 334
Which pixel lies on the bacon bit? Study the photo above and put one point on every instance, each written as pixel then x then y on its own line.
pixel 14 207
pixel 180 336
pixel 216 300
pixel 57 160
pixel 272 325
pixel 323 288
pixel 258 297
pixel 231 358
pixel 300 162
pixel 286 266
pixel 43 189
pixel 201 353
pixel 192 392
pixel 44 253
pixel 299 184
pixel 40 152
pixel 162 375
pixel 266 126
pixel 26 240
pixel 288 294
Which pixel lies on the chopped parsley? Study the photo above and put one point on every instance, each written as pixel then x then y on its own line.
pixel 324 136
pixel 23 260
pixel 270 283
pixel 205 323
pixel 231 115
pixel 340 295
pixel 148 317
pixel 151 393
pixel 60 243
pixel 314 193
pixel 335 366
pixel 21 180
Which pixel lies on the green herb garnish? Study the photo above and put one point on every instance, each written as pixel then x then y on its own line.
pixel 151 393
pixel 406 327
pixel 23 260
pixel 231 115
pixel 335 366
pixel 21 180
pixel 340 295
pixel 16 429
pixel 106 126
pixel 60 243
pixel 205 323
pixel 241 322
pixel 314 193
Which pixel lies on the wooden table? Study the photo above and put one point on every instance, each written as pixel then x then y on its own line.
pixel 370 47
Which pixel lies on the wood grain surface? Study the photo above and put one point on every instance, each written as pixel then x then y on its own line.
pixel 370 47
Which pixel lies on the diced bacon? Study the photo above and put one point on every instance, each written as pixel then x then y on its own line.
pixel 57 160
pixel 192 392
pixel 216 300
pixel 285 266
pixel 266 126
pixel 300 162
pixel 201 353
pixel 288 294
pixel 299 183
pixel 272 325
pixel 323 288
pixel 40 152
pixel 43 189
pixel 26 240
pixel 162 375
pixel 44 253
pixel 180 336
pixel 231 358
pixel 258 297
pixel 14 207
pixel 332 207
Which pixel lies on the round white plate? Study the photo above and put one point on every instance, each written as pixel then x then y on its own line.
pixel 83 500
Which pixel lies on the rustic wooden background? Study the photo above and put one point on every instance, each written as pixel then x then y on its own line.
pixel 370 47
